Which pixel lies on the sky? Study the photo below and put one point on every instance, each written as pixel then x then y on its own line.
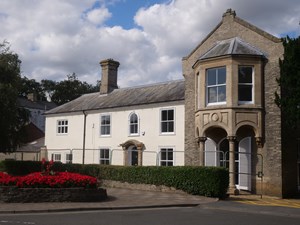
pixel 54 38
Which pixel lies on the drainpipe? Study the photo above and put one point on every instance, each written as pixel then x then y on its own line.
pixel 84 132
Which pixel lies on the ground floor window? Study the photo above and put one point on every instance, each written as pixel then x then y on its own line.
pixel 56 157
pixel 166 157
pixel 69 158
pixel 104 156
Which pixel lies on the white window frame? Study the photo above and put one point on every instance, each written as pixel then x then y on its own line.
pixel 248 84
pixel 216 85
pixel 104 158
pixel 161 121
pixel 167 160
pixel 56 157
pixel 136 124
pixel 106 125
pixel 62 127
pixel 69 158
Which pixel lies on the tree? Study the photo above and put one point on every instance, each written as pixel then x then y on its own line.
pixel 67 90
pixel 31 86
pixel 289 98
pixel 12 117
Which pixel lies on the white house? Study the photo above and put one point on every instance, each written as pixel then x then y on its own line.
pixel 129 126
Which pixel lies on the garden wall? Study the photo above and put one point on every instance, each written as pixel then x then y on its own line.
pixel 15 194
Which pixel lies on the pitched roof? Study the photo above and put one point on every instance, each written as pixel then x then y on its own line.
pixel 231 13
pixel 42 105
pixel 232 46
pixel 156 93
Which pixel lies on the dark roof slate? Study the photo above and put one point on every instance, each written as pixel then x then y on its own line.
pixel 156 93
pixel 42 105
pixel 233 46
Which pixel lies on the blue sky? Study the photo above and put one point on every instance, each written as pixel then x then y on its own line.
pixel 54 38
pixel 124 11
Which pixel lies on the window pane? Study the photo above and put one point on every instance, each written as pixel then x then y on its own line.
pixel 170 114
pixel 245 93
pixel 222 93
pixel 164 115
pixel 170 155
pixel 211 77
pixel 164 127
pixel 171 126
pixel 163 155
pixel 133 118
pixel 212 94
pixel 170 163
pixel 222 75
pixel 245 74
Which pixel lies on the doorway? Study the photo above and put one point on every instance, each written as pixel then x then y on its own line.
pixel 217 154
pixel 132 156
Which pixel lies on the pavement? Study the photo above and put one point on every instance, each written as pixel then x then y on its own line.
pixel 122 198
pixel 265 201
pixel 118 198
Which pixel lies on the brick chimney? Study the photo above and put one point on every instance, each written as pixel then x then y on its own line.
pixel 32 97
pixel 109 80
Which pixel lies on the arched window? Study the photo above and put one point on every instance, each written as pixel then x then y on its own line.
pixel 133 124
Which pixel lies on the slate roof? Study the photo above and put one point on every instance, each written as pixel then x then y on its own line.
pixel 156 93
pixel 233 46
pixel 42 105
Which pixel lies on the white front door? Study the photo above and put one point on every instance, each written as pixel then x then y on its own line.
pixel 245 164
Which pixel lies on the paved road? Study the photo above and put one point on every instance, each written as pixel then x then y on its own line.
pixel 223 212
pixel 155 208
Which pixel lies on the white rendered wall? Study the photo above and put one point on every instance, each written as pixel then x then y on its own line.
pixel 149 134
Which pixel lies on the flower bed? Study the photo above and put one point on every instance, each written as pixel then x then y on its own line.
pixel 50 187
pixel 58 180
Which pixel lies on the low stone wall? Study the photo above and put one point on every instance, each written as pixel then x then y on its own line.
pixel 145 187
pixel 14 194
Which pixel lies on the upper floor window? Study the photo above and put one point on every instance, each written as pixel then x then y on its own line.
pixel 104 156
pixel 133 124
pixel 167 121
pixel 216 85
pixel 245 88
pixel 105 125
pixel 62 126
pixel 166 157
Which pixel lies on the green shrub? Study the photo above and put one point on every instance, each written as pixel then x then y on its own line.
pixel 206 181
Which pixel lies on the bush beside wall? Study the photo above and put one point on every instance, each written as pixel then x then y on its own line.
pixel 206 181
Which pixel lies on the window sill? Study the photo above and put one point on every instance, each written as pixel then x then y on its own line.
pixel 105 136
pixel 167 134
pixel 133 135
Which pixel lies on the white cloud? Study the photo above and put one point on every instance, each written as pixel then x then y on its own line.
pixel 54 38
pixel 98 16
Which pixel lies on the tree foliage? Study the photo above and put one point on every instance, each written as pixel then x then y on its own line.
pixel 67 90
pixel 29 86
pixel 289 98
pixel 12 117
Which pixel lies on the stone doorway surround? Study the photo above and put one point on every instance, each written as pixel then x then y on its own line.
pixel 139 146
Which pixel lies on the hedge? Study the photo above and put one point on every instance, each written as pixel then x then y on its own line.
pixel 206 181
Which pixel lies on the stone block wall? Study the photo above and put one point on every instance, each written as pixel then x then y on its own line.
pixel 14 194
pixel 232 26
